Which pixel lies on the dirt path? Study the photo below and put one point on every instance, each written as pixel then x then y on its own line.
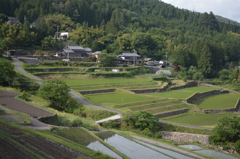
pixel 168 147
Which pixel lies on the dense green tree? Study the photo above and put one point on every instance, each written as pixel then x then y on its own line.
pixel 7 73
pixel 56 91
pixel 107 60
pixel 145 120
pixel 227 130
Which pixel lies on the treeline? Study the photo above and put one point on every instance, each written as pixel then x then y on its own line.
pixel 148 27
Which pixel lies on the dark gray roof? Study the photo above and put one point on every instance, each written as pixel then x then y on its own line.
pixel 129 55
pixel 68 51
pixel 87 49
pixel 75 47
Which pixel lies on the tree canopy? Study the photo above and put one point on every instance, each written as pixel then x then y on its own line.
pixel 7 73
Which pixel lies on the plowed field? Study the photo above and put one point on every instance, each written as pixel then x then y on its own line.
pixel 8 100
pixel 16 143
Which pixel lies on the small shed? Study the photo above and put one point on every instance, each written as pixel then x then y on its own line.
pixel 163 72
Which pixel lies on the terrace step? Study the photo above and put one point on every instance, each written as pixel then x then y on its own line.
pixel 172 113
pixel 153 105
pixel 167 108
pixel 141 103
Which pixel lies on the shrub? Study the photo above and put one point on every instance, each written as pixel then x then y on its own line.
pixel 25 96
pixel 237 146
pixel 147 132
pixel 111 124
pixel 157 135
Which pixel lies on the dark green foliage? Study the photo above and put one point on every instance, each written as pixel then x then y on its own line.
pixel 56 92
pixel 237 146
pixel 111 124
pixel 7 73
pixel 227 130
pixel 157 135
pixel 107 60
pixel 25 96
pixel 141 120
pixel 147 132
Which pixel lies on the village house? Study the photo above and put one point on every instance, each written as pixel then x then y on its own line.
pixel 129 58
pixel 11 21
pixel 63 35
pixel 76 51
pixel 18 52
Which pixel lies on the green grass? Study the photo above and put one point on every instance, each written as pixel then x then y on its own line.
pixel 183 93
pixel 169 108
pixel 115 98
pixel 222 101
pixel 202 120
pixel 90 81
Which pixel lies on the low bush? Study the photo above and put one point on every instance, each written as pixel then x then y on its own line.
pixel 147 132
pixel 237 146
pixel 157 135
pixel 25 96
pixel 111 124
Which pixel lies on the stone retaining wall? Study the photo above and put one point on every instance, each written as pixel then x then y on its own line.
pixel 53 120
pixel 172 113
pixel 97 91
pixel 189 84
pixel 166 88
pixel 197 96
pixel 185 137
pixel 51 70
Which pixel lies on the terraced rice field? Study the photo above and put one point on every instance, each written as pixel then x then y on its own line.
pixel 222 101
pixel 182 93
pixel 156 107
pixel 202 120
pixel 115 98
pixel 124 83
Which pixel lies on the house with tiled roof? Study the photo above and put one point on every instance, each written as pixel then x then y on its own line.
pixel 129 58
pixel 76 51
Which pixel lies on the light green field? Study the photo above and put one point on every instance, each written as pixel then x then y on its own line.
pixel 115 98
pixel 222 101
pixel 89 81
pixel 202 120
pixel 182 93
pixel 108 83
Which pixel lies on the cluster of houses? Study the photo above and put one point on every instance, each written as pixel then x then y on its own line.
pixel 74 51
pixel 124 58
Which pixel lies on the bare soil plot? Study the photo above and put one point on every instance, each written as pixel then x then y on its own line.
pixel 16 143
pixel 8 100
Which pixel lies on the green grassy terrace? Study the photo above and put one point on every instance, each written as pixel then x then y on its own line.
pixel 182 93
pixel 222 101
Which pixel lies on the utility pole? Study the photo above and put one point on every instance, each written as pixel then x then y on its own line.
pixel 166 58
pixel 57 32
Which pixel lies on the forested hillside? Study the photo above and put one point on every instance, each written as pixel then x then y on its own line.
pixel 148 27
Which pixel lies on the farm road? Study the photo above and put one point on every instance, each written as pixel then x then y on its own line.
pixel 80 99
